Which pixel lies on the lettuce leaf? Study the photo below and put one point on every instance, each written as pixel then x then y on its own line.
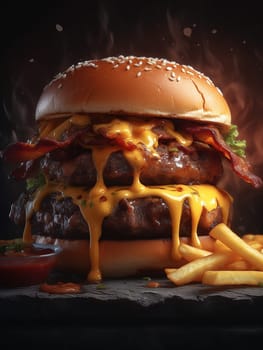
pixel 16 245
pixel 237 146
pixel 35 182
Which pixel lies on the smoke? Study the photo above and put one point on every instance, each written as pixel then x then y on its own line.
pixel 180 48
pixel 17 109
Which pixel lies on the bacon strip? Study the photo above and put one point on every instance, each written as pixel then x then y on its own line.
pixel 25 170
pixel 21 151
pixel 212 137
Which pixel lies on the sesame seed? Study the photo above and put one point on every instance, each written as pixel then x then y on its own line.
pixel 59 86
pixel 58 76
pixel 71 68
pixel 146 64
pixel 109 60
pixel 86 64
pixel 93 65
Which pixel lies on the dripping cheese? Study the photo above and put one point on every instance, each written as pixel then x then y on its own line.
pixel 97 203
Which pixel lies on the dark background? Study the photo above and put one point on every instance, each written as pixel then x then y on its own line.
pixel 222 39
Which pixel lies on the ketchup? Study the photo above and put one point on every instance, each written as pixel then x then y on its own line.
pixel 27 266
pixel 60 288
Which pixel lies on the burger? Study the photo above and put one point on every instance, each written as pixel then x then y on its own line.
pixel 125 165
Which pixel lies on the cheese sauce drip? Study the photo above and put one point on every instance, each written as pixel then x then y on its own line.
pixel 99 202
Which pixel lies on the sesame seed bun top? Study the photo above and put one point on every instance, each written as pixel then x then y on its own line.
pixel 134 86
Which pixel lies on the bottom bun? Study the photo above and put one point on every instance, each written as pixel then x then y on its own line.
pixel 120 258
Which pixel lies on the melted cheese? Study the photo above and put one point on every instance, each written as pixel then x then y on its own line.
pixel 99 202
pixel 136 133
pixel 183 138
pixel 55 128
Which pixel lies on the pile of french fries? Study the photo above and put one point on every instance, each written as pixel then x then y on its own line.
pixel 235 260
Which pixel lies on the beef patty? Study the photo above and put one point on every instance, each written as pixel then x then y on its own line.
pixel 141 218
pixel 197 164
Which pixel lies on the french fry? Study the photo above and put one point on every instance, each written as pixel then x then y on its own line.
pixel 221 247
pixel 194 270
pixel 219 278
pixel 255 238
pixel 255 241
pixel 239 265
pixel 190 253
pixel 248 237
pixel 255 245
pixel 234 260
pixel 168 270
pixel 238 245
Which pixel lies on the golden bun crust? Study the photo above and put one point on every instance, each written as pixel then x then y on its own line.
pixel 119 258
pixel 134 86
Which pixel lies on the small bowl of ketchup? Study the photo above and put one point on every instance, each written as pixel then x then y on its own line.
pixel 23 264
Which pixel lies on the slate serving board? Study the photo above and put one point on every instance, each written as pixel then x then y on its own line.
pixel 135 300
pixel 118 310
